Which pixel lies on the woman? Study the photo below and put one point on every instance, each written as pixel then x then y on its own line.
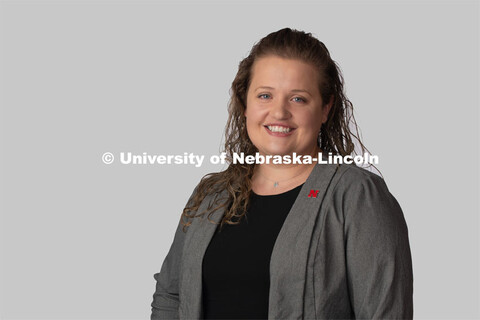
pixel 288 241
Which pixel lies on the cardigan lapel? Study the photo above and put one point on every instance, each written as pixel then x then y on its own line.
pixel 288 264
pixel 289 257
pixel 197 240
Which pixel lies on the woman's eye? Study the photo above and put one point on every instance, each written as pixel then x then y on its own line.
pixel 264 96
pixel 299 99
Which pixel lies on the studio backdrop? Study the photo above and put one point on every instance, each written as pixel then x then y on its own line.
pixel 85 84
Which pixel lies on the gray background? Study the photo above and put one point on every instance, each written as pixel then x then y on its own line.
pixel 82 240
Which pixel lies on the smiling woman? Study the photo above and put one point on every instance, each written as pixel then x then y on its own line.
pixel 291 240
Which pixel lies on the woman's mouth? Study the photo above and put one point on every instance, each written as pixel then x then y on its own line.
pixel 279 131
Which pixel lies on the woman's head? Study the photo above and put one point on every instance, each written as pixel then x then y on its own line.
pixel 284 107
pixel 297 47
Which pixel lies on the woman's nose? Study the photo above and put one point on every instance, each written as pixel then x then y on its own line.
pixel 280 110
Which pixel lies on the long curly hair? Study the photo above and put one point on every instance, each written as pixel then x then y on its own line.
pixel 336 134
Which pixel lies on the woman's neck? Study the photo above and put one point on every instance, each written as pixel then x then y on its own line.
pixel 269 179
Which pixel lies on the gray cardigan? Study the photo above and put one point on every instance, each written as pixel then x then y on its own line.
pixel 342 254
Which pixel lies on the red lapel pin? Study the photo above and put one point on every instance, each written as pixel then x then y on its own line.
pixel 313 193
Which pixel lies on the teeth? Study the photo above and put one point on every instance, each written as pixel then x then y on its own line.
pixel 279 129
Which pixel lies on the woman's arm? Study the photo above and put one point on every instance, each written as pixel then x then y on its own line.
pixel 166 299
pixel 379 263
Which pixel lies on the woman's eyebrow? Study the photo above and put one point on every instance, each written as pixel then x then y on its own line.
pixel 294 90
pixel 300 90
pixel 263 87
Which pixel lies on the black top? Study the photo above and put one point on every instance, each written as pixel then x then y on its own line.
pixel 236 264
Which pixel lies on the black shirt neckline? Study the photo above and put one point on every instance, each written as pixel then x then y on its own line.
pixel 259 196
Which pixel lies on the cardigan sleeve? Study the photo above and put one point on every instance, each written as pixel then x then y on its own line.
pixel 378 257
pixel 166 297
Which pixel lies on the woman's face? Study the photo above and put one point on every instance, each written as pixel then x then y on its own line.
pixel 284 107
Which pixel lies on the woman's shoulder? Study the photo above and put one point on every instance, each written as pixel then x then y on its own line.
pixel 352 172
pixel 352 178
pixel 361 193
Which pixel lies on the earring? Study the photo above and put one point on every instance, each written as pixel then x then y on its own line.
pixel 319 139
